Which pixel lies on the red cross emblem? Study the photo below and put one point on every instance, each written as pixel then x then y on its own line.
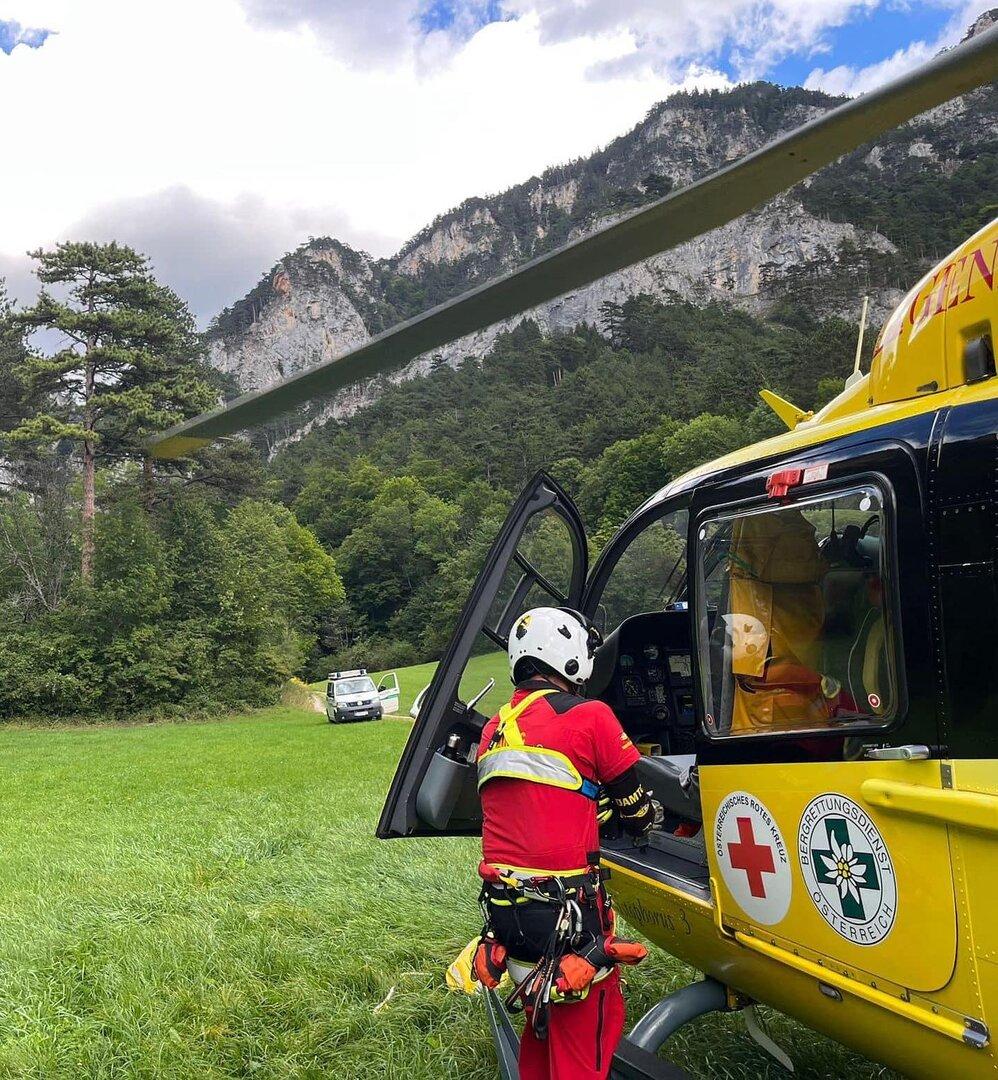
pixel 755 859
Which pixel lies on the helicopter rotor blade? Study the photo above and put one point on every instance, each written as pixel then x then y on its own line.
pixel 708 203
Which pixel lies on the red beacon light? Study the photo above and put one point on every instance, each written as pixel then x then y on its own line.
pixel 779 483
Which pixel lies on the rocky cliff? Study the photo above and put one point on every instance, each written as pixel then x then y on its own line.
pixel 866 224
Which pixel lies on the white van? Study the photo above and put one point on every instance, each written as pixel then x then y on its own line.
pixel 352 695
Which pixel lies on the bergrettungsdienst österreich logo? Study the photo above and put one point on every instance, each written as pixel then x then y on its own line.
pixel 847 868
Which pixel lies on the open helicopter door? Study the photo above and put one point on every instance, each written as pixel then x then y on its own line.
pixel 538 559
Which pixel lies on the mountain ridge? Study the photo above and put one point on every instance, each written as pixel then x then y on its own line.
pixel 826 242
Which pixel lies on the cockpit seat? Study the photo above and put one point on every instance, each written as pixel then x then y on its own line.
pixel 672 781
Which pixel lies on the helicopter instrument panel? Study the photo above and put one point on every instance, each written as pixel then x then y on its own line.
pixel 647 678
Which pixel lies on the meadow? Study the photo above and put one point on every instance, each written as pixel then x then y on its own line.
pixel 208 900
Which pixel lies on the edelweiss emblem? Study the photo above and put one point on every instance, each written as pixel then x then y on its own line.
pixel 848 869
pixel 851 872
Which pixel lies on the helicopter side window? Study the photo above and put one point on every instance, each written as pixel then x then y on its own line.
pixel 802 638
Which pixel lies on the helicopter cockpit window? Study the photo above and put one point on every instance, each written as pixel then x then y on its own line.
pixel 650 573
pixel 801 640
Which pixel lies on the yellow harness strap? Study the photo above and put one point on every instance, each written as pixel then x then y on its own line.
pixel 509 755
pixel 508 730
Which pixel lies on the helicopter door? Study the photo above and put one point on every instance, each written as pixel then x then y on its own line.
pixel 807 654
pixel 538 559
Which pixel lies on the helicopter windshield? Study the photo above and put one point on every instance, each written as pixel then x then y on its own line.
pixel 650 573
pixel 801 640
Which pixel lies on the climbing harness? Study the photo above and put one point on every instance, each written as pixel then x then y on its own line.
pixel 578 914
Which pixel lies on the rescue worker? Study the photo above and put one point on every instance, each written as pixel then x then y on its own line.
pixel 543 763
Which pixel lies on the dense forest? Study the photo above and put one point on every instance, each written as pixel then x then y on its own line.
pixel 408 493
pixel 127 588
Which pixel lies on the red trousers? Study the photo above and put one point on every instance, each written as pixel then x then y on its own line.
pixel 582 1036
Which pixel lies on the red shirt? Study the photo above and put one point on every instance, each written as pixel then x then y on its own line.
pixel 539 827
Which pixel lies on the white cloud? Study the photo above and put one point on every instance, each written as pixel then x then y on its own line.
pixel 211 251
pixel 846 79
pixel 129 102
pixel 668 37
pixel 217 134
pixel 19 282
pixel 381 31
pixel 13 34
pixel 378 29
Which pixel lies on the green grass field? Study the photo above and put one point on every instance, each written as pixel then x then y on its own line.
pixel 207 900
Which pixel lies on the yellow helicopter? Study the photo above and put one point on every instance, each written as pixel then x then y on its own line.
pixel 800 637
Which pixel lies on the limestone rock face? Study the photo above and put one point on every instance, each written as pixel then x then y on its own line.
pixel 305 311
pixel 811 244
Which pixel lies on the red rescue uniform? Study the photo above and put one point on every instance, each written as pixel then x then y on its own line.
pixel 537 826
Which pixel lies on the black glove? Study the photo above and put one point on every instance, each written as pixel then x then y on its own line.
pixel 632 802
pixel 638 822
pixel 606 812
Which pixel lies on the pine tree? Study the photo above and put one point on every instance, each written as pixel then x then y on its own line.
pixel 14 406
pixel 130 364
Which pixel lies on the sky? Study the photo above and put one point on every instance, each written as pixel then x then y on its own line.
pixel 216 135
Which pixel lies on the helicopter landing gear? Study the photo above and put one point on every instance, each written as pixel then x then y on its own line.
pixel 663 1020
pixel 636 1058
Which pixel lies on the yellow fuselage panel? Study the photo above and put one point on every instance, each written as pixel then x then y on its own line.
pixel 920 350
pixel 909 1047
pixel 910 858
pixel 935 966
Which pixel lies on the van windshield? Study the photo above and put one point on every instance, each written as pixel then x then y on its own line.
pixel 346 687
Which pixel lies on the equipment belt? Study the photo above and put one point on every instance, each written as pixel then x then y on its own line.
pixel 505 886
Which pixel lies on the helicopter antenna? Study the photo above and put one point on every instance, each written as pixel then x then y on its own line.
pixel 856 373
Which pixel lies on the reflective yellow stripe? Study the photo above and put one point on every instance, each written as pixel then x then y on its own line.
pixel 515 760
pixel 535 763
pixel 532 871
pixel 515 876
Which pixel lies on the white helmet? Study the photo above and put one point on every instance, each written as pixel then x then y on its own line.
pixel 559 638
